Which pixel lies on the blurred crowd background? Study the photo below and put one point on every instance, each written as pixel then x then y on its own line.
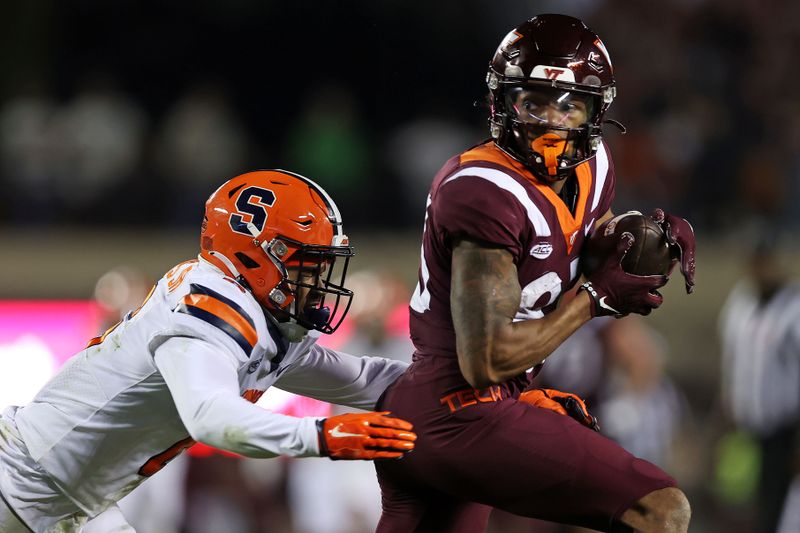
pixel 117 120
pixel 107 106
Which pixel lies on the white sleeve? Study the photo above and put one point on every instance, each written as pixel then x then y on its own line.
pixel 340 378
pixel 204 384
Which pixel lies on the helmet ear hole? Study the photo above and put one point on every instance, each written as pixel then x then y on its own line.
pixel 246 260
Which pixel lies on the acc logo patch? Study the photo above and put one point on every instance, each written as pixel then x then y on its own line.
pixel 542 250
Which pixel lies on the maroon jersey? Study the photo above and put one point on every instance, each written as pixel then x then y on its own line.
pixel 486 195
pixel 482 448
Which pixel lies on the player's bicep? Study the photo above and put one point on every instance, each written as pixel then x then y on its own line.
pixel 195 372
pixel 484 297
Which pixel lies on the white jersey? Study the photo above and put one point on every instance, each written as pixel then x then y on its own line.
pixel 761 357
pixel 184 367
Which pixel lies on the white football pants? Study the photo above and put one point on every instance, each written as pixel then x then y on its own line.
pixel 9 523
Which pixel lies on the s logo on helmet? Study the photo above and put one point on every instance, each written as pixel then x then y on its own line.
pixel 251 206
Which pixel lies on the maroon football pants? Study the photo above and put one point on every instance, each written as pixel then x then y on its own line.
pixel 482 451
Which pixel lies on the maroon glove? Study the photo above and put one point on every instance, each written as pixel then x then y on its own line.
pixel 680 237
pixel 615 292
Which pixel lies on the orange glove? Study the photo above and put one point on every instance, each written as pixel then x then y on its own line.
pixel 365 436
pixel 563 403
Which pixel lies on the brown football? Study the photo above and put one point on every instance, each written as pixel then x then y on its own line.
pixel 649 255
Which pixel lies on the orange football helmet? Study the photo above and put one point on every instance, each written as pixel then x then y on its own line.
pixel 261 226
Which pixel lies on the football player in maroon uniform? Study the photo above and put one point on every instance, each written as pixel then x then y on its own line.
pixel 504 227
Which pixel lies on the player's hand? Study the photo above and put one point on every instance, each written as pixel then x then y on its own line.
pixel 563 403
pixel 616 292
pixel 680 237
pixel 365 436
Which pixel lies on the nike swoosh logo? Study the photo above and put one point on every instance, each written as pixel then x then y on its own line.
pixel 588 227
pixel 336 432
pixel 604 305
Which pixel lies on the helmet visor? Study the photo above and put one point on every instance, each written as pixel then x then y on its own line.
pixel 551 107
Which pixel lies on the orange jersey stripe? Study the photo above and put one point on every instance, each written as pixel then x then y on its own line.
pixel 224 312
pixel 570 225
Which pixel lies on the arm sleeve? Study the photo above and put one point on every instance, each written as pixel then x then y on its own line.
pixel 487 211
pixel 340 378
pixel 204 384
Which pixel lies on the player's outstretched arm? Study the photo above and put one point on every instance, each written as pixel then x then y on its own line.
pixel 204 385
pixel 340 378
pixel 484 298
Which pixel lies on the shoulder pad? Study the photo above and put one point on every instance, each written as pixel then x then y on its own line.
pixel 221 312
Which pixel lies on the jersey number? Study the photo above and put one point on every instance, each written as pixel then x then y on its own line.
pixel 97 340
pixel 252 205
pixel 174 278
pixel 547 284
pixel 421 299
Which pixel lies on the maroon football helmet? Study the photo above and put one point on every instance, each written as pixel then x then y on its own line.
pixel 550 83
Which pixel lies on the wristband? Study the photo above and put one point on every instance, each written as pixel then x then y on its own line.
pixel 598 306
pixel 323 446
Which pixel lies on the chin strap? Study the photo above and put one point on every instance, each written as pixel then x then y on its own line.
pixel 550 146
pixel 616 123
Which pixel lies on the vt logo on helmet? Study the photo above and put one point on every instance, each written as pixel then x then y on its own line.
pixel 280 235
pixel 550 84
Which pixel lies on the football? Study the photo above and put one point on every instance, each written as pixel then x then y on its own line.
pixel 649 255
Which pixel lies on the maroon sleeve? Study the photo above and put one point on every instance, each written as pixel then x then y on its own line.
pixel 474 207
pixel 609 187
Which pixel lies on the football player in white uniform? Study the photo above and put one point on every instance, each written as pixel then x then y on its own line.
pixel 212 336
